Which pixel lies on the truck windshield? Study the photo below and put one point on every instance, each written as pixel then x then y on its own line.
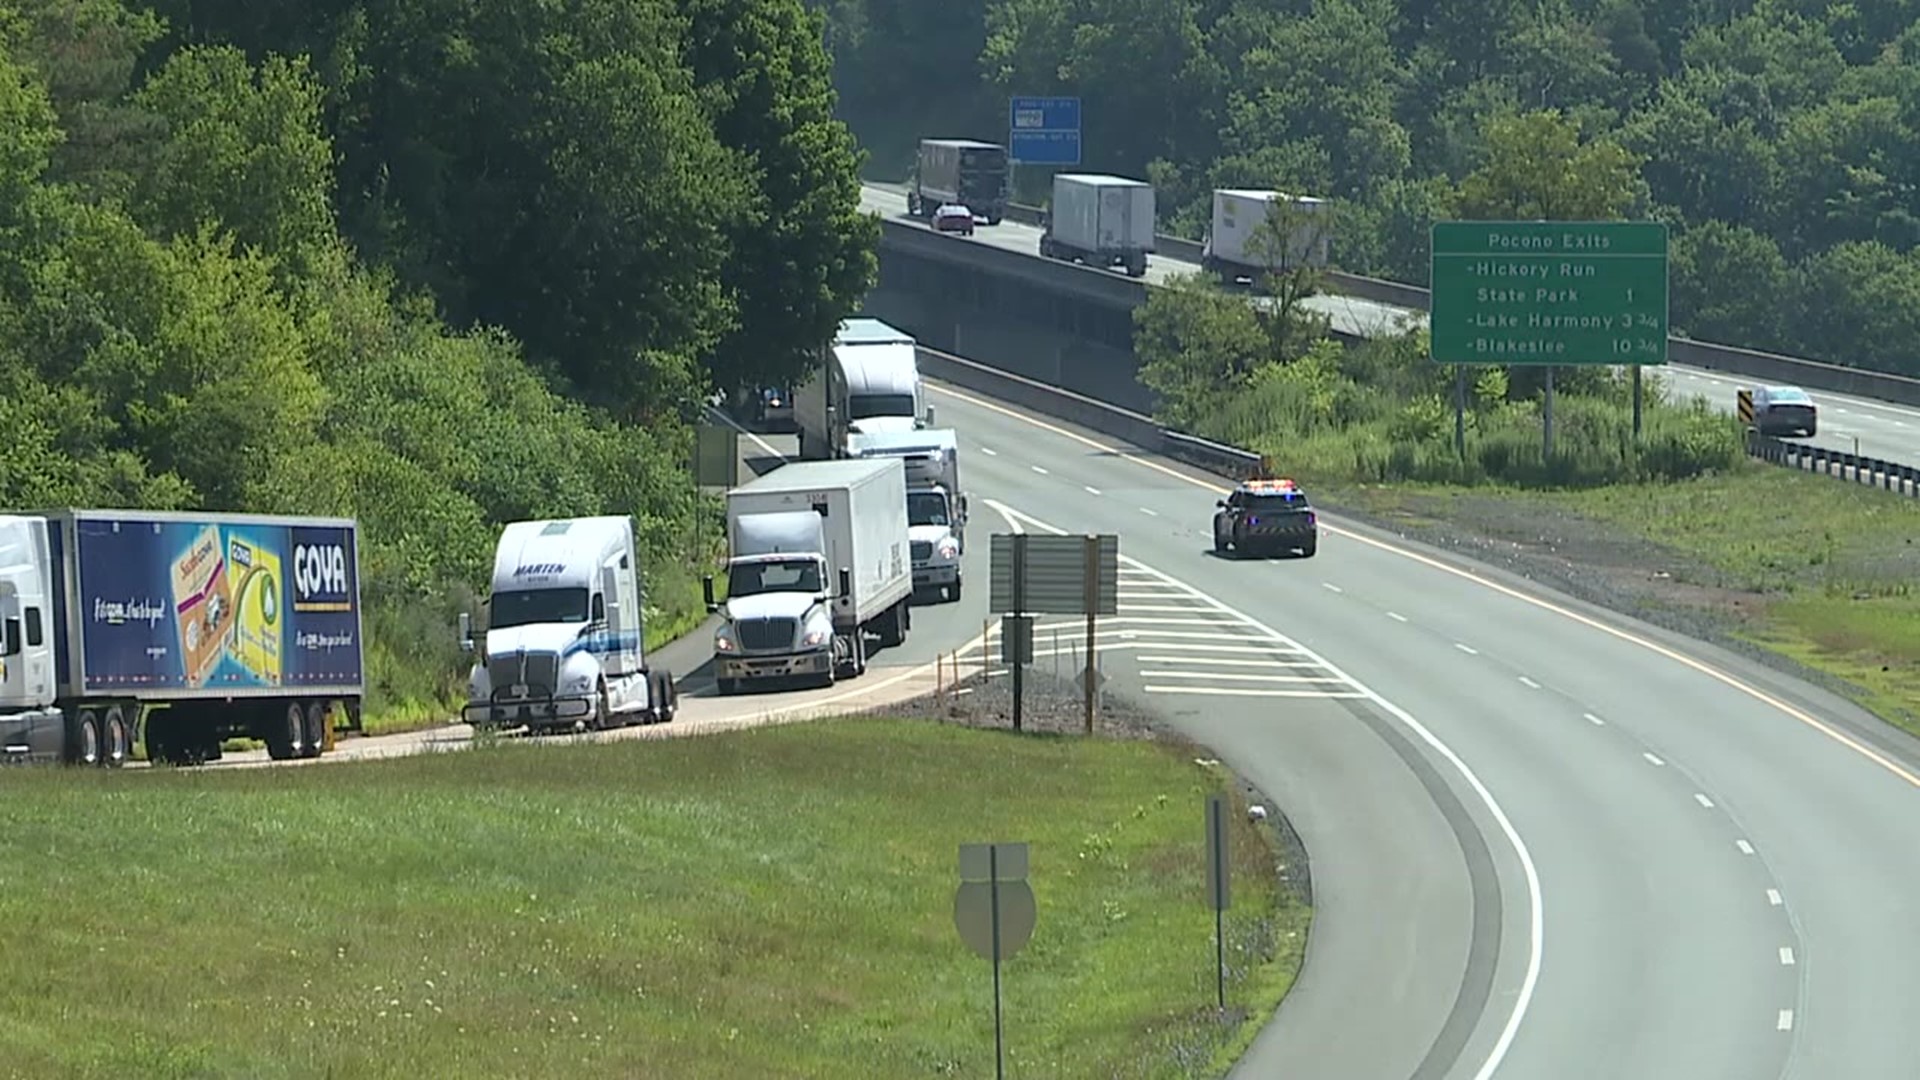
pixel 784 575
pixel 863 406
pixel 927 508
pixel 527 607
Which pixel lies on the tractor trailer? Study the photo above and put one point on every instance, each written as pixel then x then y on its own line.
pixel 1101 221
pixel 182 629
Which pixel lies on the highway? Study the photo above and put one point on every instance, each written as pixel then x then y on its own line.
pixel 1544 838
pixel 1854 425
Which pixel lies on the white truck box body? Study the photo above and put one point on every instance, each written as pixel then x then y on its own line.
pixel 932 459
pixel 868 368
pixel 864 525
pixel 1107 214
pixel 1237 217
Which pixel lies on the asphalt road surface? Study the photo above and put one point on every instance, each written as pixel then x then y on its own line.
pixel 1544 838
pixel 1854 425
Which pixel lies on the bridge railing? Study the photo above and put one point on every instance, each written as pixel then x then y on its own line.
pixel 1750 363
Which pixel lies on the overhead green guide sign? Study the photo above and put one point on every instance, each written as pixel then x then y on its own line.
pixel 1549 292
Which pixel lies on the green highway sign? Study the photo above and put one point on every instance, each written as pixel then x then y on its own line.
pixel 1549 292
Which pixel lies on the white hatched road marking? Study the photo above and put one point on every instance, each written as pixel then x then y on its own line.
pixel 1207 649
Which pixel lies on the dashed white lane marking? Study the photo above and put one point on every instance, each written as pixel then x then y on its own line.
pixel 1785 1022
pixel 1038 469
pixel 1651 759
pixel 1594 720
pixel 1235 676
pixel 1465 648
pixel 1773 897
pixel 1705 803
pixel 1150 513
pixel 989 451
pixel 1331 587
pixel 1529 683
pixel 1396 616
pixel 1745 848
pixel 1786 955
pixel 1222 661
pixel 1091 490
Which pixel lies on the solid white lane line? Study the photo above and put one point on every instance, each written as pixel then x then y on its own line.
pixel 1226 691
pixel 1222 661
pixel 1536 909
pixel 1238 677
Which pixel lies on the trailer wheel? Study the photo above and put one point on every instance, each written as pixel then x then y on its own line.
pixel 286 737
pixel 661 692
pixel 116 738
pixel 316 729
pixel 83 739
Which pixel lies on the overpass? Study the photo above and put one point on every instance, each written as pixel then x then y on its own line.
pixel 992 298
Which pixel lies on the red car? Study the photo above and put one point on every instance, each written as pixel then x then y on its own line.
pixel 953 218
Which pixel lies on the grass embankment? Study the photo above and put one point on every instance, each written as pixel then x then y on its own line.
pixel 692 907
pixel 1819 571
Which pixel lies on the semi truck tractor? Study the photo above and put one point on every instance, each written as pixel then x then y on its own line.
pixel 960 172
pixel 1101 221
pixel 817 561
pixel 936 507
pixel 565 644
pixel 868 380
pixel 1244 240
pixel 179 629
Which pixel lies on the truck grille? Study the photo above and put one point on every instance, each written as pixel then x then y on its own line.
pixel 538 671
pixel 922 550
pixel 765 634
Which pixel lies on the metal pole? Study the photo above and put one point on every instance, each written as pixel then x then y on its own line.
pixel 1548 453
pixel 1092 597
pixel 1019 608
pixel 993 888
pixel 1220 956
pixel 1636 401
pixel 1460 409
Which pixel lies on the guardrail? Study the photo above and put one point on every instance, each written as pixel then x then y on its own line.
pixel 1233 462
pixel 1751 363
pixel 1872 472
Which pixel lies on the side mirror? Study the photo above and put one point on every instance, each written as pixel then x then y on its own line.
pixel 706 593
pixel 963 508
pixel 846 583
pixel 929 416
pixel 12 635
pixel 599 611
pixel 1222 504
pixel 466 632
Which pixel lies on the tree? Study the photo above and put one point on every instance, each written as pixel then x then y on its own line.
pixel 1536 167
pixel 1195 343
pixel 1729 282
pixel 805 253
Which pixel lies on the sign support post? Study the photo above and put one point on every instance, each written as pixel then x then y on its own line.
pixel 1019 607
pixel 1219 874
pixel 1547 415
pixel 1092 576
pixel 995 917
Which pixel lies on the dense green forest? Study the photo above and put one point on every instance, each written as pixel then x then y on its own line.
pixel 1780 138
pixel 434 265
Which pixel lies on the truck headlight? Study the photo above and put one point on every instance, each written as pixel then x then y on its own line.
pixel 949 549
pixel 722 642
pixel 576 684
pixel 816 636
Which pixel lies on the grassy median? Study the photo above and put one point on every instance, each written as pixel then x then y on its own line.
pixel 1817 570
pixel 772 903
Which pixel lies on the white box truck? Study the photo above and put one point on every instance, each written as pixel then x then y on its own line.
pixel 565 639
pixel 936 506
pixel 1238 248
pixel 868 380
pixel 1101 221
pixel 817 560
pixel 185 629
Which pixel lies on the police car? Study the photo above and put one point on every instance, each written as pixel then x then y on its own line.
pixel 1266 516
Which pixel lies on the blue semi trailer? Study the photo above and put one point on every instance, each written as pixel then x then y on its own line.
pixel 183 629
